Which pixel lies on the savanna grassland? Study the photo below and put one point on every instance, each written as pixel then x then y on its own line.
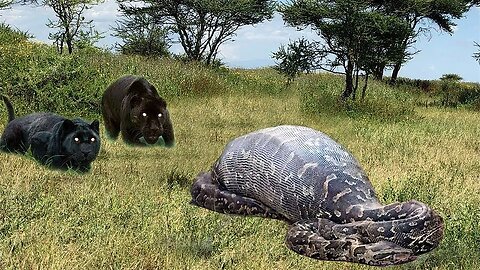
pixel 132 210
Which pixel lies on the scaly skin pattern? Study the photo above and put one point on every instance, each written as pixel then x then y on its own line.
pixel 302 176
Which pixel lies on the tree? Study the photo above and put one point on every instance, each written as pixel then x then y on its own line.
pixel 353 35
pixel 141 34
pixel 476 54
pixel 202 26
pixel 450 89
pixel 421 17
pixel 5 4
pixel 70 23
pixel 295 58
pixel 378 46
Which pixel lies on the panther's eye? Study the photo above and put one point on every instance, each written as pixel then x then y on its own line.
pixel 159 115
pixel 76 139
pixel 144 114
pixel 92 139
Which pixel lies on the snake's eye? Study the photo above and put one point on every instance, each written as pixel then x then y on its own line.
pixel 159 115
pixel 92 139
pixel 76 139
pixel 144 114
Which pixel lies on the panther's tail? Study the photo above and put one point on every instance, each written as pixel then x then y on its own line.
pixel 11 112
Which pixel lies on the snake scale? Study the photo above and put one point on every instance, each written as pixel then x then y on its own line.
pixel 302 176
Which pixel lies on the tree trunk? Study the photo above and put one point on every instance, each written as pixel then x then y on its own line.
pixel 378 72
pixel 398 64
pixel 70 46
pixel 395 71
pixel 60 44
pixel 348 81
pixel 365 86
pixel 354 94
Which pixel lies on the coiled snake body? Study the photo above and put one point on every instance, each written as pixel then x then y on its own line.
pixel 302 176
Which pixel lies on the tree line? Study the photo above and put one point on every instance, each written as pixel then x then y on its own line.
pixel 362 36
pixel 357 38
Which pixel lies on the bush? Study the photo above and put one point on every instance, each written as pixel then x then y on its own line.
pixel 320 94
pixel 36 78
pixel 442 92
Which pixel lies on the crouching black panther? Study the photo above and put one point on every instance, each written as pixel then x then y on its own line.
pixel 53 139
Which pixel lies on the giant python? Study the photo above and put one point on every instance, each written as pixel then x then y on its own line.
pixel 302 176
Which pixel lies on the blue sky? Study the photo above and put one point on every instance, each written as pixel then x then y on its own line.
pixel 440 53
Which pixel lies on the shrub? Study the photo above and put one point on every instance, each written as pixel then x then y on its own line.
pixel 447 91
pixel 320 94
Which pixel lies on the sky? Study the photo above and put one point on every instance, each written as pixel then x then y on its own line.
pixel 439 53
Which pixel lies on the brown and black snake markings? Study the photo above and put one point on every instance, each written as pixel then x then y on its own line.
pixel 302 176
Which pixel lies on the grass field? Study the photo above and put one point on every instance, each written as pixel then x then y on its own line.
pixel 132 210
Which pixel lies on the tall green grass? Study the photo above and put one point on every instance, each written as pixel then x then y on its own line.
pixel 132 210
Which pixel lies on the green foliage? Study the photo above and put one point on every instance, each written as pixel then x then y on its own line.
pixel 71 24
pixel 319 96
pixel 451 78
pixel 9 35
pixel 141 35
pixel 5 4
pixel 202 26
pixel 449 90
pixel 294 59
pixel 356 37
pixel 379 44
pixel 442 92
pixel 86 39
pixel 39 79
pixel 421 17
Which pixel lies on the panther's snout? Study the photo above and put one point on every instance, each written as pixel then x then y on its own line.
pixel 152 134
pixel 151 139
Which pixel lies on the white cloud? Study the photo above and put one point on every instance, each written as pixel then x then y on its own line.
pixel 253 45
pixel 104 12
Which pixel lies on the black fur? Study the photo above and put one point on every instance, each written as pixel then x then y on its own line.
pixel 132 105
pixel 53 140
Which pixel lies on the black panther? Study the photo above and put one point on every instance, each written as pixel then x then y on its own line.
pixel 132 106
pixel 53 139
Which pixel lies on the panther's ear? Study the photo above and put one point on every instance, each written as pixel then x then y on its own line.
pixel 136 88
pixel 95 125
pixel 67 126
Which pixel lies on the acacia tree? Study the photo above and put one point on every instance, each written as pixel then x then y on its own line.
pixel 295 58
pixel 141 35
pixel 202 26
pixel 353 35
pixel 379 46
pixel 71 22
pixel 421 17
